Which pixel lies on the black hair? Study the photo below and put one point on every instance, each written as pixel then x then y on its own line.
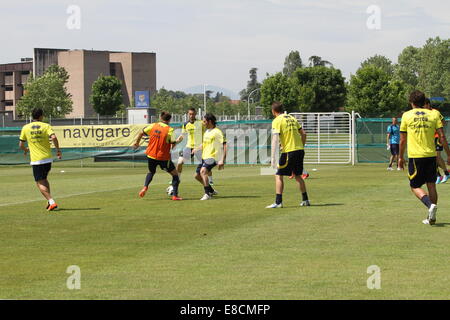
pixel 210 117
pixel 37 113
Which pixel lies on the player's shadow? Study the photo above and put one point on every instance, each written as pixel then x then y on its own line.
pixel 317 205
pixel 78 209
pixel 327 205
pixel 440 225
pixel 236 197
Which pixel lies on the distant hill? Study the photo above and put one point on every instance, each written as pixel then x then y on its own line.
pixel 199 89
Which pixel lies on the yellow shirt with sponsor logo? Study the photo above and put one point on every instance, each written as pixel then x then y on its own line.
pixel 213 140
pixel 420 125
pixel 195 133
pixel 37 134
pixel 288 128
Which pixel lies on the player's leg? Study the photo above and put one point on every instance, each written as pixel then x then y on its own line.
pixel 296 160
pixel 175 180
pixel 391 161
pixel 210 178
pixel 207 166
pixel 149 177
pixel 423 171
pixel 283 170
pixel 40 173
pixel 180 165
pixel 443 166
pixel 198 176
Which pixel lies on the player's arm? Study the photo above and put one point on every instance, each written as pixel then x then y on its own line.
pixel 303 135
pixel 56 144
pixel 22 140
pixel 401 159
pixel 275 146
pixel 138 140
pixel 224 156
pixel 22 146
pixel 444 142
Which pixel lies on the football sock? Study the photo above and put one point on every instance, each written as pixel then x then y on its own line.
pixel 305 196
pixel 279 199
pixel 426 201
pixel 207 190
pixel 210 179
pixel 148 179
pixel 51 202
pixel 175 184
pixel 210 189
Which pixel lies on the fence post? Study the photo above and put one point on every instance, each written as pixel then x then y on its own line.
pixel 353 137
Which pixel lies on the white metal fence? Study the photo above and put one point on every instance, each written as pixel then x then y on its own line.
pixel 330 137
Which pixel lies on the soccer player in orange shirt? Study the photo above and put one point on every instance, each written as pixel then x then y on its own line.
pixel 161 140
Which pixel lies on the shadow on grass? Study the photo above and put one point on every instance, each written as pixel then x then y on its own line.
pixel 218 197
pixel 440 225
pixel 316 205
pixel 78 209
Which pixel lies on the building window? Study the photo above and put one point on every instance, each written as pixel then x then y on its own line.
pixel 9 103
pixel 26 72
pixel 112 69
pixel 8 88
pixel 8 74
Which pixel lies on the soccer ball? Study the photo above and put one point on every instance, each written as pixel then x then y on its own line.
pixel 169 190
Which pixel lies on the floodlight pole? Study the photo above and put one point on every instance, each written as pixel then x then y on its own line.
pixel 248 102
pixel 204 97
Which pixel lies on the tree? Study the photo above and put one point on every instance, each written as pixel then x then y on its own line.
pixel 59 71
pixel 426 68
pixel 280 87
pixel 252 85
pixel 316 61
pixel 322 88
pixel 408 67
pixel 435 67
pixel 106 97
pixel 291 63
pixel 372 92
pixel 381 62
pixel 48 93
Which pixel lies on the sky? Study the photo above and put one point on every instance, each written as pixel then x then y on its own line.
pixel 216 42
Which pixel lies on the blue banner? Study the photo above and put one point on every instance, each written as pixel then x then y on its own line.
pixel 142 99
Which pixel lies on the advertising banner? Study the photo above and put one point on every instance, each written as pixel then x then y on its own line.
pixel 97 136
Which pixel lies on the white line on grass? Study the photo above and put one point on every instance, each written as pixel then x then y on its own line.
pixel 66 196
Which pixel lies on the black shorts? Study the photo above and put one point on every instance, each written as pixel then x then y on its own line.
pixel 395 149
pixel 40 171
pixel 166 165
pixel 439 146
pixel 421 171
pixel 209 164
pixel 291 163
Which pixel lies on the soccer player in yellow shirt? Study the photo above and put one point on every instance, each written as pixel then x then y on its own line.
pixel 439 148
pixel 214 153
pixel 37 134
pixel 417 131
pixel 194 130
pixel 287 132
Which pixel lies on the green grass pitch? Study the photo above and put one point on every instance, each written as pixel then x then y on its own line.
pixel 228 248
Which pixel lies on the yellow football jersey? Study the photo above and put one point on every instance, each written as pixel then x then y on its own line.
pixel 37 134
pixel 288 128
pixel 195 133
pixel 420 126
pixel 213 141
